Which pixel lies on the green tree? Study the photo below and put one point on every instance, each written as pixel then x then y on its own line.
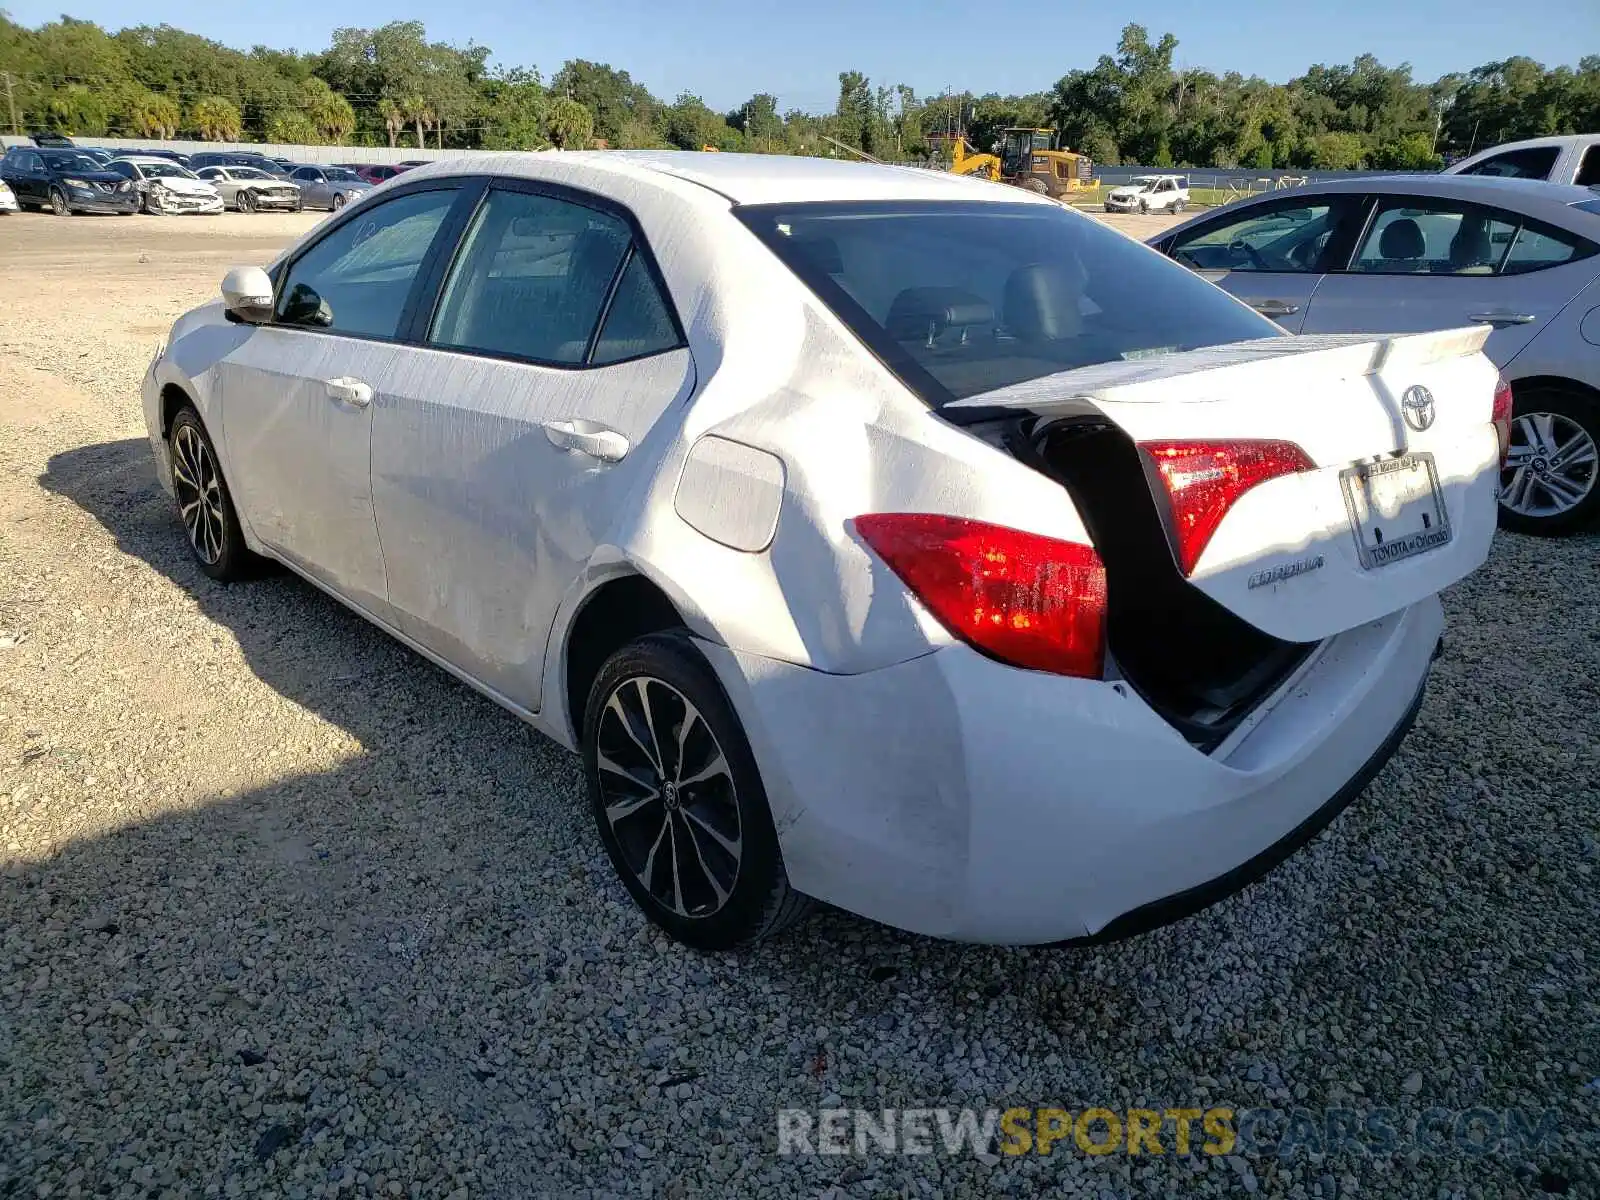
pixel 291 127
pixel 569 123
pixel 215 119
pixel 148 114
pixel 620 109
pixel 1337 151
pixel 328 113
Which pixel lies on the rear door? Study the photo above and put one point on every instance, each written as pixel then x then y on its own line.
pixel 1271 254
pixel 298 395
pixel 1376 459
pixel 1430 263
pixel 507 442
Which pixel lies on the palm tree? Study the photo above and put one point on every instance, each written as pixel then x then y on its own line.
pixel 328 111
pixel 216 119
pixel 394 120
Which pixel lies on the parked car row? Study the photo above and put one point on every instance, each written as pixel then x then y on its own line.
pixel 74 181
pixel 65 178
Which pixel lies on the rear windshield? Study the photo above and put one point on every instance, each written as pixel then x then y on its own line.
pixel 962 298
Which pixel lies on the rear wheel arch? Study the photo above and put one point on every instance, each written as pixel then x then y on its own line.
pixel 619 611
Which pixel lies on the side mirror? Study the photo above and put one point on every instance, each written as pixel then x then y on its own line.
pixel 247 295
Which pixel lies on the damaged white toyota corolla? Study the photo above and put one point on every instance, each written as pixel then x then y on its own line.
pixel 880 537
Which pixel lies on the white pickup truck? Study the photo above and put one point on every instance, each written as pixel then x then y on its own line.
pixel 1571 158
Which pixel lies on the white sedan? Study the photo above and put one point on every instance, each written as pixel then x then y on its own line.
pixel 165 187
pixel 877 536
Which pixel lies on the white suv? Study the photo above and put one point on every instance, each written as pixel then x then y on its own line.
pixel 1150 193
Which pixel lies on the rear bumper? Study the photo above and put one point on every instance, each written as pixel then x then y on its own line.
pixel 957 797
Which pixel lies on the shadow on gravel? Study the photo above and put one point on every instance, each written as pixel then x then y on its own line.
pixel 419 967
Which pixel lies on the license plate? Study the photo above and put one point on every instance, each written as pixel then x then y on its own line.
pixel 1396 509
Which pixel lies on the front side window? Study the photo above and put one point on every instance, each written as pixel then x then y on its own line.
pixel 1415 236
pixel 530 279
pixel 1282 237
pixel 356 279
pixel 309 174
pixel 960 298
pixel 1534 162
pixel 126 170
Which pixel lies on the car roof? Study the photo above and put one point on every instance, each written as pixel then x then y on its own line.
pixel 1559 139
pixel 749 178
pixel 145 160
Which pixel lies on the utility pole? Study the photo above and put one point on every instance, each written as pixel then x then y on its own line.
pixel 11 104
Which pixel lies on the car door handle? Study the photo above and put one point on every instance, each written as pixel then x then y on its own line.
pixel 586 437
pixel 1503 318
pixel 1274 308
pixel 351 391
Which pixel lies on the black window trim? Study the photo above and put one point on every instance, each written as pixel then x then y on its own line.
pixel 1341 244
pixel 444 236
pixel 422 319
pixel 1380 202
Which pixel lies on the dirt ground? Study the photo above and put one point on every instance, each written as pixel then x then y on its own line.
pixel 286 911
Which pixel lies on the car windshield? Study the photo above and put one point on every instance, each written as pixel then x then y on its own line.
pixel 340 175
pixel 962 298
pixel 1146 185
pixel 247 173
pixel 69 161
pixel 164 170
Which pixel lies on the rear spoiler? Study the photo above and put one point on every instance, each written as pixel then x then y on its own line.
pixel 1214 372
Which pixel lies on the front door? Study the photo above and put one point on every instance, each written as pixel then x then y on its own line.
pixel 505 449
pixel 297 397
pixel 1270 254
pixel 1429 263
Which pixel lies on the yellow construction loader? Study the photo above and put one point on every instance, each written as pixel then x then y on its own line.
pixel 1028 158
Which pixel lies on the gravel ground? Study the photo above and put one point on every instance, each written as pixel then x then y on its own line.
pixel 284 910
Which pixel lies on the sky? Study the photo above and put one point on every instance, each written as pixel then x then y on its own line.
pixel 726 50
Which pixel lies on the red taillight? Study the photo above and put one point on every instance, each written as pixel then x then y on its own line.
pixel 1027 600
pixel 1501 416
pixel 1204 479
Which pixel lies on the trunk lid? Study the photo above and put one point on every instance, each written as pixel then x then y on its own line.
pixel 1401 498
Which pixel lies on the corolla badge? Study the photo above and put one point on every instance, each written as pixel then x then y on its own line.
pixel 1416 405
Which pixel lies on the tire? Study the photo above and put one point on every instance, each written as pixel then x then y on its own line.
pixel 58 203
pixel 1144 208
pixel 151 206
pixel 727 887
pixel 216 539
pixel 299 206
pixel 1543 419
pixel 339 201
pixel 1179 205
pixel 247 200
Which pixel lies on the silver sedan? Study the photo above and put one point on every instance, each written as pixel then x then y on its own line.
pixel 1400 254
pixel 328 187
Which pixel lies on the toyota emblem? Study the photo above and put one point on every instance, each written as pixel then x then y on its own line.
pixel 1416 405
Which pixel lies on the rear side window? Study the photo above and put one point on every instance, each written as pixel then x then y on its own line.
pixel 531 278
pixel 356 279
pixel 1535 162
pixel 1540 247
pixel 1435 237
pixel 638 322
pixel 960 298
